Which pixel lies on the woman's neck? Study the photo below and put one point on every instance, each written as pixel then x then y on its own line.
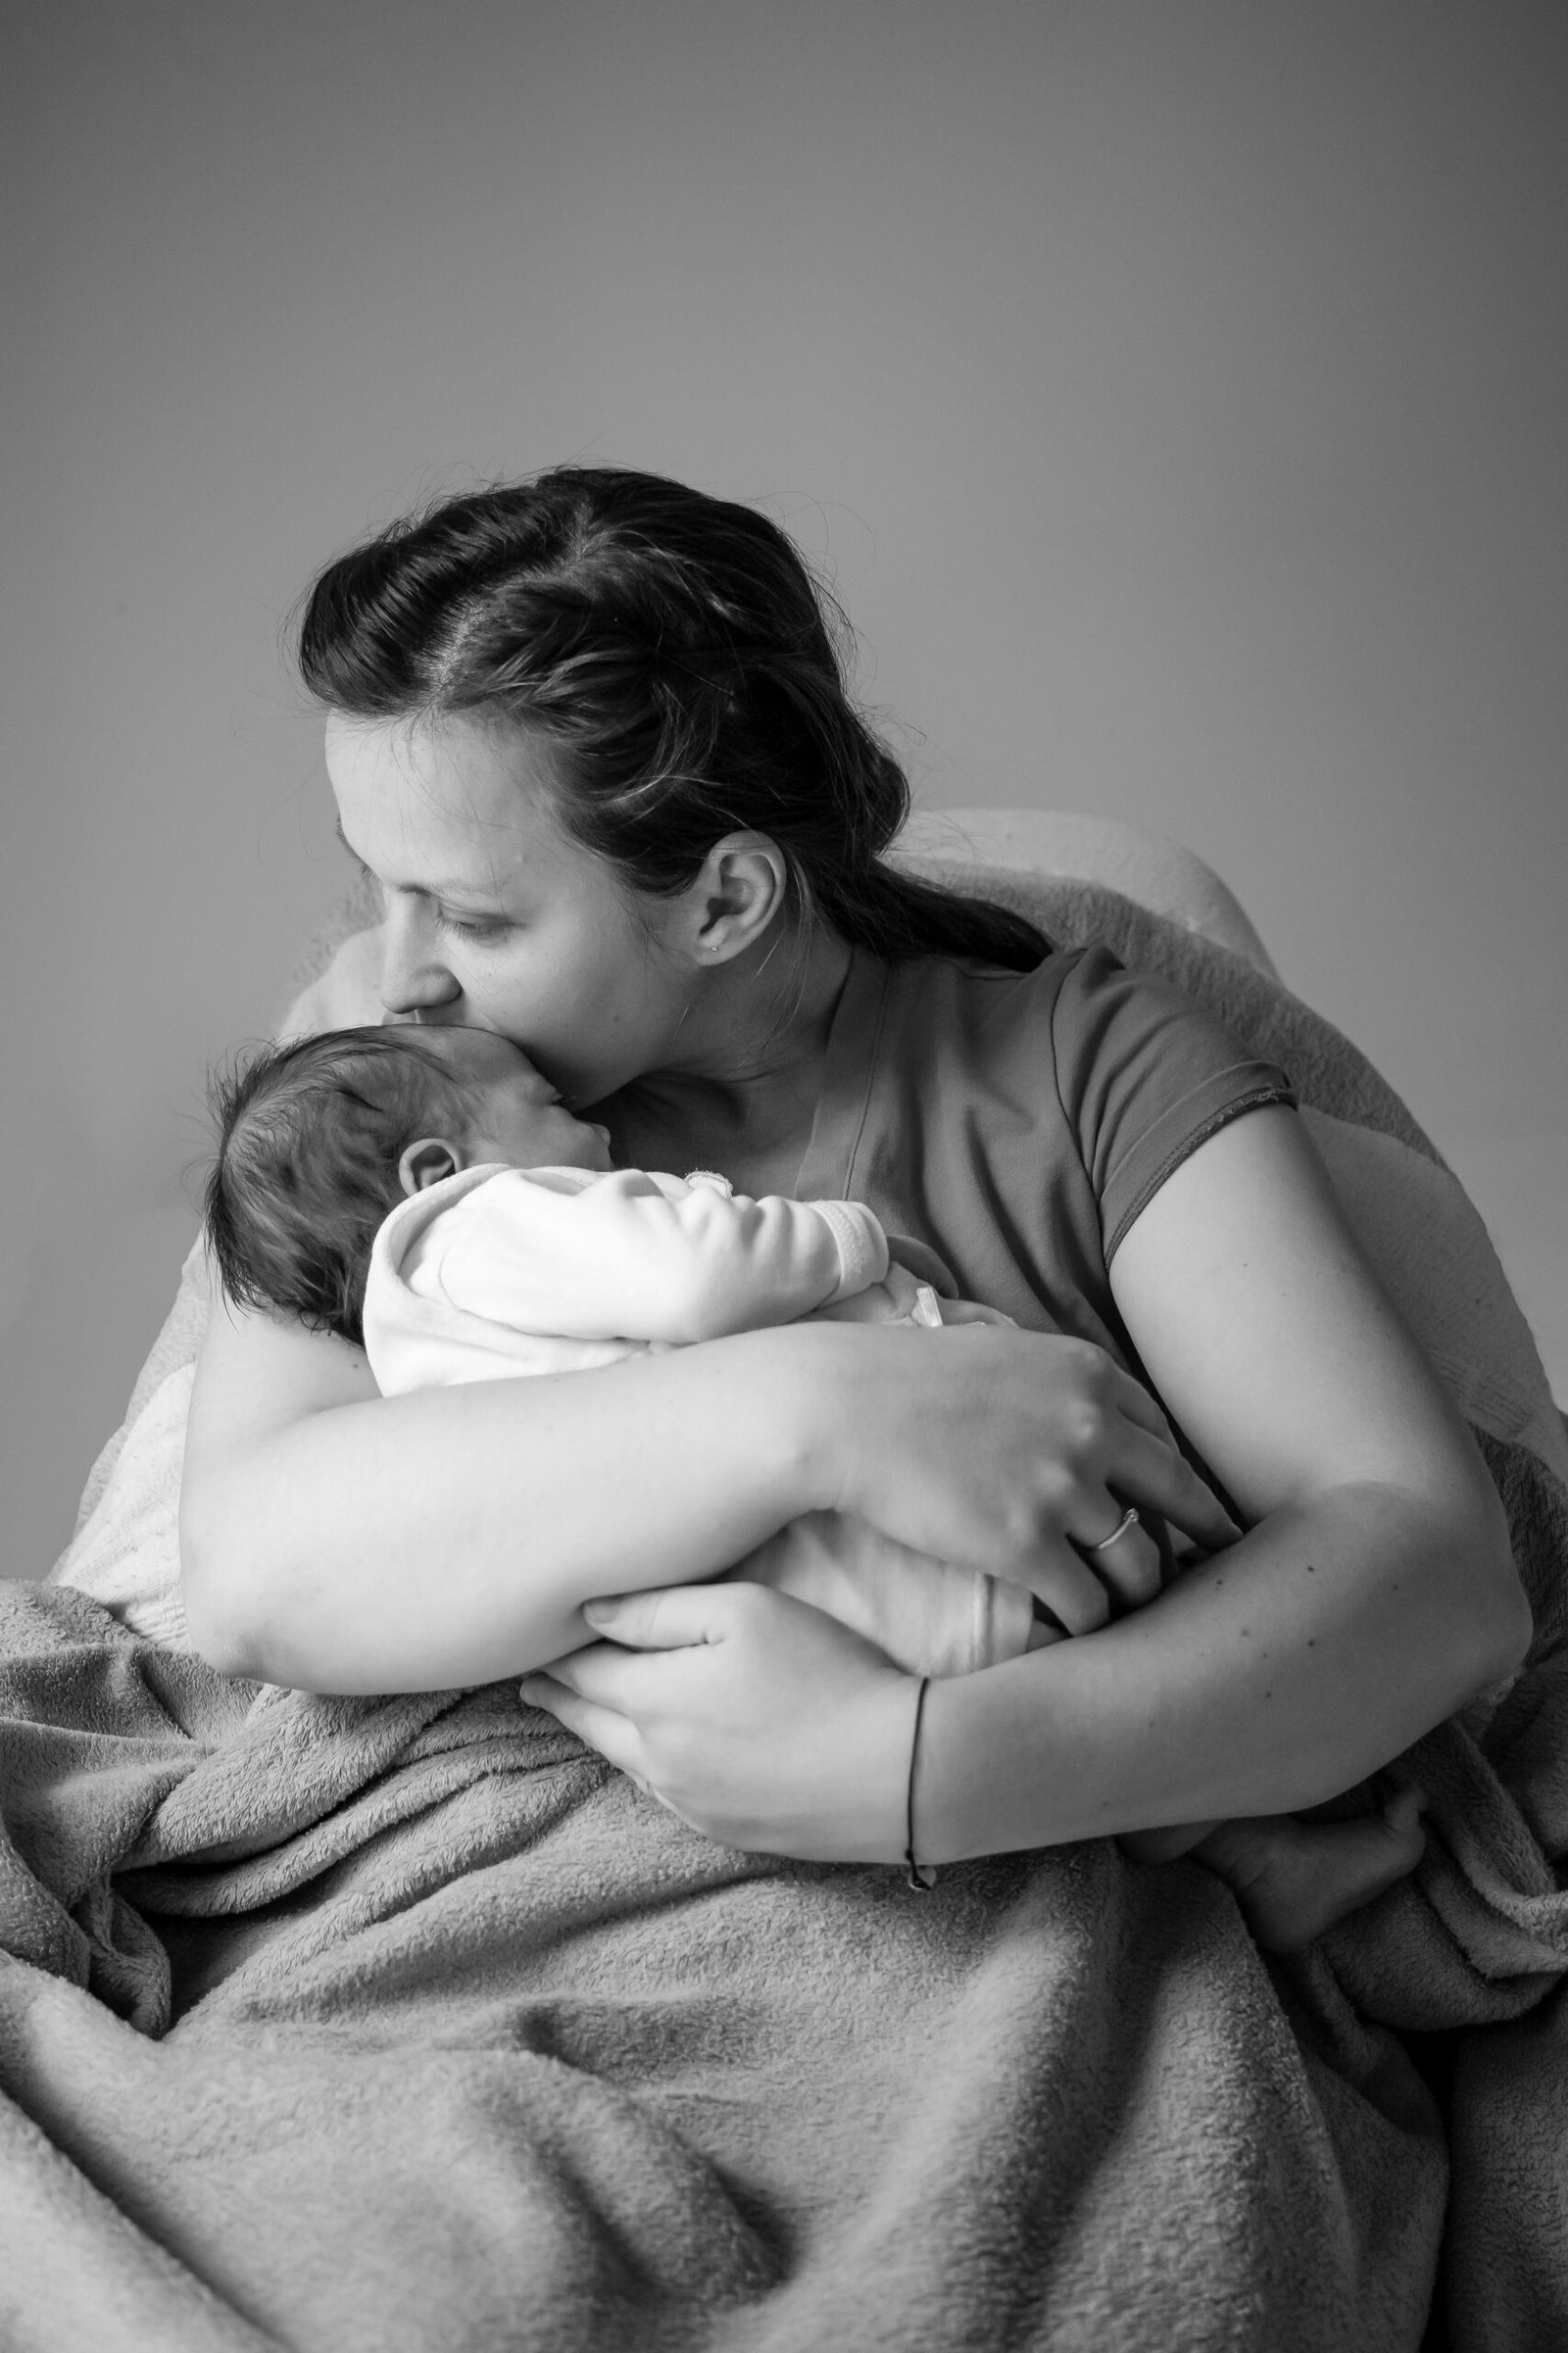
pixel 744 1093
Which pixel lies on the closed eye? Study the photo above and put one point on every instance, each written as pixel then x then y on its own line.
pixel 473 927
pixel 466 927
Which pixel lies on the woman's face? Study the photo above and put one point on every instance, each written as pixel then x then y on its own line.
pixel 495 917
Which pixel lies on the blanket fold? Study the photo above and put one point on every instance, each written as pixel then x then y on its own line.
pixel 408 2022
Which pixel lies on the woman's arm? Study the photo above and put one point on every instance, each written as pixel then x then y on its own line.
pixel 339 1540
pixel 1374 1596
pixel 1376 1592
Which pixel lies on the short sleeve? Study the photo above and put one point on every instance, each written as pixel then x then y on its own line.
pixel 1145 1076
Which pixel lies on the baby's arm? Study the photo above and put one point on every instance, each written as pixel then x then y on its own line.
pixel 637 1256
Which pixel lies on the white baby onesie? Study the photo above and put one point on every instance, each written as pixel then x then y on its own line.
pixel 501 1271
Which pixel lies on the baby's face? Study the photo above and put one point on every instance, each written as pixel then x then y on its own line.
pixel 514 1114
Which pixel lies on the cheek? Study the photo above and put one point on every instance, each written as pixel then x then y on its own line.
pixel 571 1002
pixel 554 1013
pixel 512 987
pixel 617 989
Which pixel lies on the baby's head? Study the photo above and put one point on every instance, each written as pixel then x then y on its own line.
pixel 320 1140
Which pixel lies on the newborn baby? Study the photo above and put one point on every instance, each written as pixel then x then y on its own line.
pixel 425 1192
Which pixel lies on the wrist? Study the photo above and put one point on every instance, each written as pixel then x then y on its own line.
pixel 936 1838
pixel 861 1245
pixel 920 1873
pixel 975 1746
pixel 876 1784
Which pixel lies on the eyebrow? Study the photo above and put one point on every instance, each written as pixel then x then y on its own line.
pixel 449 893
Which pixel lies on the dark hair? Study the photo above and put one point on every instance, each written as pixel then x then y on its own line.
pixel 674 652
pixel 309 1140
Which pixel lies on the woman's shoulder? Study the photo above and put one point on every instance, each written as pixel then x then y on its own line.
pixel 962 992
pixel 959 1034
pixel 1109 1045
pixel 1073 990
pixel 1022 1118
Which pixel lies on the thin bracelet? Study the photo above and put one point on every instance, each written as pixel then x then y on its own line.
pixel 922 1876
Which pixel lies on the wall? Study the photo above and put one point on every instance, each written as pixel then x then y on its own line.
pixel 1173 391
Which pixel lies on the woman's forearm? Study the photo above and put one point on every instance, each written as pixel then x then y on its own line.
pixel 448 1538
pixel 339 1540
pixel 1279 1672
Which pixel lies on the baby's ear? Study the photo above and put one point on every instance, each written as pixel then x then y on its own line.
pixel 427 1162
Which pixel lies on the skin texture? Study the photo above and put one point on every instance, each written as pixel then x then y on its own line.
pixel 514 1115
pixel 344 1541
pixel 1371 1599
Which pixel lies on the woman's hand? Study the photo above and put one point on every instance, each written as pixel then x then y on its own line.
pixel 761 1722
pixel 1017 1454
pixel 342 1541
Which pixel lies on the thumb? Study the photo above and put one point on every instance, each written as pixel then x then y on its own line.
pixel 668 1617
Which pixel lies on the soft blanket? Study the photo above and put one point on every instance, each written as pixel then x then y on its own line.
pixel 407 2023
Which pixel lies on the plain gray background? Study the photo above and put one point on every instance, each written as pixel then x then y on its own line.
pixel 1173 389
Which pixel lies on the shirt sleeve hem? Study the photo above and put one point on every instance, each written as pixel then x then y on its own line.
pixel 1159 1154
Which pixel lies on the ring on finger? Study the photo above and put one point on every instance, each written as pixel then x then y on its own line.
pixel 1124 1525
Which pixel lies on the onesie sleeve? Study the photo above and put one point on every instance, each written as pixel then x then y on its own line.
pixel 640 1257
pixel 1145 1076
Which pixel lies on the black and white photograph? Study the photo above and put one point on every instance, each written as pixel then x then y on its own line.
pixel 785 1132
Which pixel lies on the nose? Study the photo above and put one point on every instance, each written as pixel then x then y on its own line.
pixel 416 985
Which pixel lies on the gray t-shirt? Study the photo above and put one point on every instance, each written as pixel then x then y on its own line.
pixel 1016 1123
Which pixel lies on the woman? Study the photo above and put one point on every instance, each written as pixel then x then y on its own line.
pixel 591 739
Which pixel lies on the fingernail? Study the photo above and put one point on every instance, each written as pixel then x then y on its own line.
pixel 596 1612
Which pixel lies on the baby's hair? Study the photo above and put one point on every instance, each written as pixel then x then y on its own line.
pixel 309 1140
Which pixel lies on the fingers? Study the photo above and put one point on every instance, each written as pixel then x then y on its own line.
pixel 1129 1565
pixel 1147 1470
pixel 601 1676
pixel 622 1670
pixel 670 1617
pixel 1083 1593
pixel 1157 1476
pixel 1136 1455
pixel 600 1726
pixel 1134 1403
pixel 1078 1599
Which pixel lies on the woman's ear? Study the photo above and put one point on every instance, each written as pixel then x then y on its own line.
pixel 427 1162
pixel 737 897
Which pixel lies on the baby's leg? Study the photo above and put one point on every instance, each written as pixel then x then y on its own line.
pixel 1292 1879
